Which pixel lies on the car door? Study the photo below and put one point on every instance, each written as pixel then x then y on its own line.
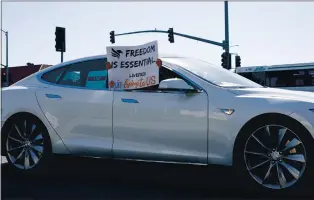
pixel 78 105
pixel 160 125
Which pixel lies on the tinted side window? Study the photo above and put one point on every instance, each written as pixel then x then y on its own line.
pixel 90 74
pixel 53 76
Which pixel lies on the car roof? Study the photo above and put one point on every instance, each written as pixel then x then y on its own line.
pixel 95 57
pixel 104 56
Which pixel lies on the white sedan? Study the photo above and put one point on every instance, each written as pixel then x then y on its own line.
pixel 198 114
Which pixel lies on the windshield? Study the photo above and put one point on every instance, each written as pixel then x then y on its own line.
pixel 212 73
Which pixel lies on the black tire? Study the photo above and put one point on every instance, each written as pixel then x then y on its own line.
pixel 241 166
pixel 40 148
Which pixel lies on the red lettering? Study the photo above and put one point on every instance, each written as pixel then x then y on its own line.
pixel 153 81
pixel 140 83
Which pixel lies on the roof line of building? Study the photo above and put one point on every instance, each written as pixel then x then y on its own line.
pixel 285 65
pixel 25 66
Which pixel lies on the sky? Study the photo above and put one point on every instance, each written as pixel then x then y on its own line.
pixel 267 33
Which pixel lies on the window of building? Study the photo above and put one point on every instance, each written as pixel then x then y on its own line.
pixel 257 77
pixel 289 78
pixel 311 77
pixel 247 75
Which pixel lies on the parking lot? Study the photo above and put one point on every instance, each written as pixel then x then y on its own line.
pixel 73 178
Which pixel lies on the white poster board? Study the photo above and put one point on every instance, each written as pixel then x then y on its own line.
pixel 133 66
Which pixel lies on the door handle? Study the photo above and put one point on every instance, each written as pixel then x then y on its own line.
pixel 53 96
pixel 129 100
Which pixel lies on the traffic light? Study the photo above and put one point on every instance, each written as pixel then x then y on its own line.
pixel 226 60
pixel 238 61
pixel 4 77
pixel 60 39
pixel 112 39
pixel 170 35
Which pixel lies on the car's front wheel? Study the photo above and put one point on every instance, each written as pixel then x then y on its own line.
pixel 27 143
pixel 274 153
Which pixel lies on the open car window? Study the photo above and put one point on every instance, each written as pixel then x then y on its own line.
pixel 164 74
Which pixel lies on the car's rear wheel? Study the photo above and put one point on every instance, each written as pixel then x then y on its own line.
pixel 27 144
pixel 274 153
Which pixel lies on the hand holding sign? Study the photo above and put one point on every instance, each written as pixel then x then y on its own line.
pixel 108 66
pixel 159 63
pixel 133 66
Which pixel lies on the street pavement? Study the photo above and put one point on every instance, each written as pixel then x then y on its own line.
pixel 85 178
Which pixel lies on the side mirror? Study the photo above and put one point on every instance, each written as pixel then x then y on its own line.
pixel 175 84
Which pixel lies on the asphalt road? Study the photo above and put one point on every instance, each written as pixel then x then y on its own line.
pixel 73 178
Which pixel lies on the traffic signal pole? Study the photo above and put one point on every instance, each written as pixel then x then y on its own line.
pixel 226 28
pixel 62 52
pixel 226 56
pixel 226 42
pixel 7 56
pixel 174 33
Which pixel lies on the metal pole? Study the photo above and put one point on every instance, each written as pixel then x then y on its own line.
pixel 174 33
pixel 229 59
pixel 7 56
pixel 226 27
pixel 62 52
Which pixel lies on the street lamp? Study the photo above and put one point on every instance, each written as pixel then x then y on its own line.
pixel 235 54
pixel 234 46
pixel 7 56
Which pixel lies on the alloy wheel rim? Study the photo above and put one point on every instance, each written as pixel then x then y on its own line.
pixel 275 157
pixel 25 145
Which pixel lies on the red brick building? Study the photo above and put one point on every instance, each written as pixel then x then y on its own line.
pixel 20 72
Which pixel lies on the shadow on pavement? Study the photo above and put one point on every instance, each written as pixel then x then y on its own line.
pixel 85 178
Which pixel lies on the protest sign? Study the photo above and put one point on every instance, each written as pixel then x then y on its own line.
pixel 133 66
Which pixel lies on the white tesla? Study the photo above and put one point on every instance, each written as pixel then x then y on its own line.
pixel 198 114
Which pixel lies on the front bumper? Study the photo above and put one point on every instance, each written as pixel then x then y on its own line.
pixel 306 118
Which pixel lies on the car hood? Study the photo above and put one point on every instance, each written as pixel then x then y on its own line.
pixel 274 93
